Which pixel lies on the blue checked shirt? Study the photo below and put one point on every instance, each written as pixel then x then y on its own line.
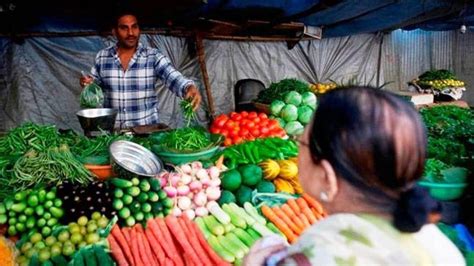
pixel 132 92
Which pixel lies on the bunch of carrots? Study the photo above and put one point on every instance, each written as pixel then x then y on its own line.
pixel 164 241
pixel 293 217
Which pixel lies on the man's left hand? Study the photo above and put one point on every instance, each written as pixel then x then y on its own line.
pixel 193 93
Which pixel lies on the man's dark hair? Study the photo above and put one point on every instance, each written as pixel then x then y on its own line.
pixel 122 10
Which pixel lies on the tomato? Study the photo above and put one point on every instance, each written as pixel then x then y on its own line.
pixel 244 132
pixel 237 140
pixel 225 132
pixel 215 130
pixel 264 130
pixel 227 142
pixel 231 114
pixel 220 121
pixel 250 138
pixel 229 125
pixel 264 123
pixel 236 117
pixel 262 116
pixel 255 132
pixel 280 132
pixel 252 115
pixel 244 114
pixel 249 124
pixel 234 133
pixel 256 120
pixel 273 124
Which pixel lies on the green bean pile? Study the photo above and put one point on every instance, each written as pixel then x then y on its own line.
pixel 49 167
pixel 187 139
pixel 188 111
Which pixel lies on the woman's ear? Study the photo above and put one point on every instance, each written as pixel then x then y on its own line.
pixel 329 180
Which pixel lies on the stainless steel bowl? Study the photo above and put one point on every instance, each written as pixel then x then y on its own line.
pixel 97 119
pixel 135 158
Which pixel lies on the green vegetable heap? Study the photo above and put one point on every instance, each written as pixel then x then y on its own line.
pixel 277 91
pixel 92 96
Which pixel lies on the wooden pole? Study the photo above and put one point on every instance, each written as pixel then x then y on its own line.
pixel 205 76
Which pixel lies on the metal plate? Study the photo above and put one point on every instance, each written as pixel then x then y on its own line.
pixel 135 158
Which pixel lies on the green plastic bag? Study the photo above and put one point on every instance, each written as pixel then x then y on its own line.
pixel 92 96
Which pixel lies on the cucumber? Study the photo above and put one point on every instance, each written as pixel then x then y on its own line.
pixel 127 199
pixel 118 193
pixel 202 226
pixel 244 236
pixel 220 215
pixel 133 191
pixel 144 185
pixel 18 207
pixel 39 210
pixel 252 211
pixel 56 212
pixel 229 227
pixel 254 234
pixel 124 213
pixel 220 250
pixel 3 218
pixel 232 237
pixel 242 213
pixel 155 184
pixel 213 225
pixel 121 183
pixel 153 196
pixel 234 218
pixel 30 222
pixel 238 262
pixel 231 247
pixel 139 216
pixel 142 197
pixel 20 196
pixel 146 207
pixel 262 229
pixel 135 181
pixel 130 221
pixel 135 207
pixel 3 210
pixel 117 204
pixel 29 211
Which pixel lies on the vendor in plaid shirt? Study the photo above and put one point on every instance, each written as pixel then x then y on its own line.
pixel 128 72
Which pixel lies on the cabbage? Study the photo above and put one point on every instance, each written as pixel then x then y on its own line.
pixel 304 114
pixel 289 113
pixel 281 122
pixel 294 128
pixel 309 99
pixel 276 106
pixel 293 97
pixel 92 96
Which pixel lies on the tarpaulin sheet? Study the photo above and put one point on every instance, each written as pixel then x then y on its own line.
pixel 39 78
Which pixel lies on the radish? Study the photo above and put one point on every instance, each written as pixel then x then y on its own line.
pixel 205 182
pixel 200 199
pixel 186 179
pixel 184 203
pixel 214 172
pixel 190 213
pixel 213 193
pixel 176 212
pixel 183 190
pixel 174 178
pixel 195 186
pixel 170 191
pixel 196 166
pixel 202 174
pixel 215 182
pixel 201 211
pixel 163 181
pixel 186 168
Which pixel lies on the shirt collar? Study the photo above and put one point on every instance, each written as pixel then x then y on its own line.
pixel 140 49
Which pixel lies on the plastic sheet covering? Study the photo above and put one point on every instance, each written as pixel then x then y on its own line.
pixel 39 79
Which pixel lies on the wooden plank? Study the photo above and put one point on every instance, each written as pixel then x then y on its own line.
pixel 205 76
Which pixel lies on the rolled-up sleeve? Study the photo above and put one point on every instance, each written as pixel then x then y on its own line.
pixel 172 78
pixel 95 70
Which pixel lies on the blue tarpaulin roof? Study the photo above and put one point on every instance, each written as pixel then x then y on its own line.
pixel 336 17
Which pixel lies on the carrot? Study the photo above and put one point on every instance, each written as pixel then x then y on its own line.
pixel 169 262
pixel 146 245
pixel 135 248
pixel 194 242
pixel 305 209
pixel 117 252
pixel 175 228
pixel 293 216
pixel 155 247
pixel 313 203
pixel 268 212
pixel 304 219
pixel 187 260
pixel 287 220
pixel 293 206
pixel 142 248
pixel 126 233
pixel 161 232
pixel 200 236
pixel 124 245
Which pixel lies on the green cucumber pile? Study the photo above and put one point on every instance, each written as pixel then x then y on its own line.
pixel 138 200
pixel 32 210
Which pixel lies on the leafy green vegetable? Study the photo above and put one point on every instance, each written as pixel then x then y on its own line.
pixel 289 113
pixel 437 75
pixel 309 99
pixel 188 111
pixel 276 106
pixel 294 128
pixel 293 97
pixel 92 96
pixel 439 172
pixel 277 91
pixel 184 140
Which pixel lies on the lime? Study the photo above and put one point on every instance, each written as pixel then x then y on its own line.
pixel 76 238
pixel 35 238
pixel 92 238
pixel 50 240
pixel 46 231
pixel 103 222
pixel 68 250
pixel 30 253
pixel 74 229
pixel 91 228
pixel 25 247
pixel 56 250
pixel 96 216
pixel 40 245
pixel 83 230
pixel 44 255
pixel 81 245
pixel 82 220
pixel 63 236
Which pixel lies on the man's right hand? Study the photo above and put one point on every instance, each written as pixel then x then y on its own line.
pixel 85 80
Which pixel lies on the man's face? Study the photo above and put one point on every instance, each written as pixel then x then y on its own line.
pixel 127 31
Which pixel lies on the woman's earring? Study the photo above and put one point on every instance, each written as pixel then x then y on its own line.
pixel 324 196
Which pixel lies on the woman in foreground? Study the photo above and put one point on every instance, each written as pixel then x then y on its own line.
pixel 361 157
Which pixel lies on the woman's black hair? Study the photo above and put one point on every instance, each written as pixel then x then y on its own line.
pixel 375 141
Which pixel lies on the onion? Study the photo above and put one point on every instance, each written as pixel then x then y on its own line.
pixel 174 178
pixel 170 191
pixel 184 203
pixel 200 199
pixel 190 214
pixel 195 186
pixel 186 168
pixel 183 190
pixel 186 179
pixel 214 172
pixel 201 211
pixel 202 173
pixel 215 182
pixel 213 193
pixel 176 212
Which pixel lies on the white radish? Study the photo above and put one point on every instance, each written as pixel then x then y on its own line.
pixel 200 199
pixel 171 192
pixel 184 203
pixel 214 172
pixel 183 190
pixel 195 186
pixel 190 213
pixel 186 179
pixel 205 182
pixel 202 174
pixel 163 181
pixel 196 165
pixel 176 212
pixel 215 182
pixel 190 195
pixel 201 211
pixel 213 193
pixel 186 168
pixel 174 178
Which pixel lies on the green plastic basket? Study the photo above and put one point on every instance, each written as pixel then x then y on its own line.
pixel 444 191
pixel 181 158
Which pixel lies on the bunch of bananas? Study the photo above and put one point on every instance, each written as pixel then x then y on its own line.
pixel 321 88
pixel 284 174
pixel 442 83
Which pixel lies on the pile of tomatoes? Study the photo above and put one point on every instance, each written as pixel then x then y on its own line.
pixel 245 126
